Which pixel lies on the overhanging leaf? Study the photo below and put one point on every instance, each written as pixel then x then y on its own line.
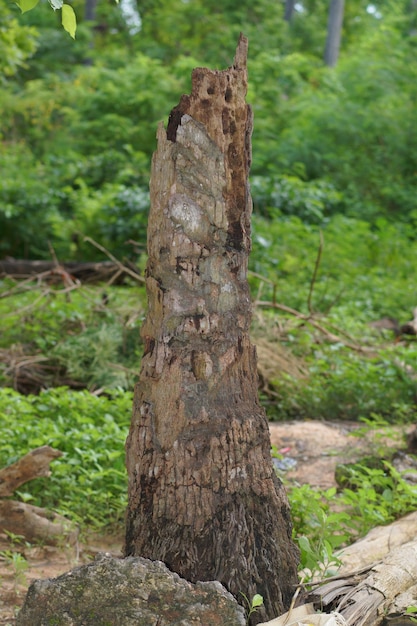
pixel 69 21
pixel 26 5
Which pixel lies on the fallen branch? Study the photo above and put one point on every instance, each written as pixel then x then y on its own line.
pixel 122 268
pixel 310 320
pixel 21 518
pixel 89 272
pixel 35 524
pixel 32 465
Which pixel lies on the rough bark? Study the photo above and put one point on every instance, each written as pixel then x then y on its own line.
pixel 334 32
pixel 203 495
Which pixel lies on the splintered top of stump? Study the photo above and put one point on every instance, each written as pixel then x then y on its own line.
pixel 241 55
pixel 217 103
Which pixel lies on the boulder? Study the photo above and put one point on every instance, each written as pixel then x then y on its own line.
pixel 127 592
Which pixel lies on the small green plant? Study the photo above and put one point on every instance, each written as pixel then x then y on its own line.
pixel 412 610
pixel 252 606
pixel 375 496
pixel 18 563
pixel 317 530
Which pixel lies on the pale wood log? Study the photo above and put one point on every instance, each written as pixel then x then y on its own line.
pixel 35 523
pixel 379 542
pixel 21 518
pixel 33 465
pixel 366 597
pixel 203 495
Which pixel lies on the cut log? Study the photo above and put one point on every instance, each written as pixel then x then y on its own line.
pixel 35 523
pixel 103 271
pixel 32 465
pixel 20 518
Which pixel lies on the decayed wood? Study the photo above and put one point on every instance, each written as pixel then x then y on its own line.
pixel 25 519
pixel 366 597
pixel 35 523
pixel 203 494
pixel 34 464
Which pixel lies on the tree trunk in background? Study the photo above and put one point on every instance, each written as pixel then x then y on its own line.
pixel 334 32
pixel 90 10
pixel 289 10
pixel 203 495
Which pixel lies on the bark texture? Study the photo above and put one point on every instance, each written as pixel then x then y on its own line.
pixel 203 495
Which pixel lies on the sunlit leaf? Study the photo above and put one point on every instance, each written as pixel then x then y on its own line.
pixel 26 5
pixel 69 21
pixel 257 600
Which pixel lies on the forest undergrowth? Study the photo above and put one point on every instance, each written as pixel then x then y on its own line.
pixel 71 356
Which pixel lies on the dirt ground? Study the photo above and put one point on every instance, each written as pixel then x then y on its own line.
pixel 311 450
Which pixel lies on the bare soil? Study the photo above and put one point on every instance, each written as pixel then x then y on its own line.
pixel 314 449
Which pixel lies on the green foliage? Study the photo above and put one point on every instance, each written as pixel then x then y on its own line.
pixel 366 273
pixel 376 496
pixel 88 484
pixel 83 339
pixel 68 18
pixel 17 562
pixel 324 520
pixel 311 201
pixel 317 530
pixel 344 385
pixel 252 605
pixel 17 42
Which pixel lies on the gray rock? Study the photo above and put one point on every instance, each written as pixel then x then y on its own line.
pixel 127 592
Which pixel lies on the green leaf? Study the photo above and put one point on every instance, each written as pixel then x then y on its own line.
pixel 69 21
pixel 304 543
pixel 257 600
pixel 26 5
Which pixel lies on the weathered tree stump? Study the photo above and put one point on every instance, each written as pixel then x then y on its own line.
pixel 203 494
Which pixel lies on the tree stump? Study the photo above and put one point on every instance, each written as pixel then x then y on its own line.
pixel 203 494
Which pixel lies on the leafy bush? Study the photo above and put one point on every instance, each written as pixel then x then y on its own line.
pixel 344 385
pixel 311 201
pixel 90 342
pixel 325 520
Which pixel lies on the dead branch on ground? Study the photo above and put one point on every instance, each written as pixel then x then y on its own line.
pixel 21 518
